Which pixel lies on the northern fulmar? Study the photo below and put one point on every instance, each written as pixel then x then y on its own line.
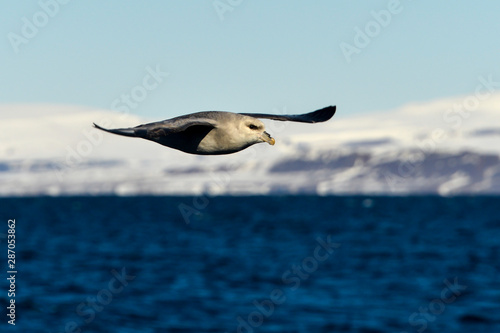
pixel 215 132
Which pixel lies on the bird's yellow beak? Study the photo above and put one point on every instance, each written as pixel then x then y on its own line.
pixel 267 138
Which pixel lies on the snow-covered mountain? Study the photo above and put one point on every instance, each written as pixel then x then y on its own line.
pixel 446 147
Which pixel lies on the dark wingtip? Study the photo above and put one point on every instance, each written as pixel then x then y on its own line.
pixel 331 109
pixel 100 127
pixel 120 131
pixel 324 114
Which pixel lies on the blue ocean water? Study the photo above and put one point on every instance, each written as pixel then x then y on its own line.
pixel 254 264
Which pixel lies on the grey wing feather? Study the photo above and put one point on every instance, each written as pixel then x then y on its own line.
pixel 317 116
pixel 178 124
pixel 162 128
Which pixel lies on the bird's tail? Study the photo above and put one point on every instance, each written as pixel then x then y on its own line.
pixel 120 131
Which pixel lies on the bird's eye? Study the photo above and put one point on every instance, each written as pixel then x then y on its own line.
pixel 252 127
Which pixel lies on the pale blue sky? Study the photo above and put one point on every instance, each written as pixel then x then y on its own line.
pixel 263 55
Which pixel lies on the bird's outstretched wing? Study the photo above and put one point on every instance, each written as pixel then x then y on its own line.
pixel 162 128
pixel 317 116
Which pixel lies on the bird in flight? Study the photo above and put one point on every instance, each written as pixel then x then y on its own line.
pixel 215 132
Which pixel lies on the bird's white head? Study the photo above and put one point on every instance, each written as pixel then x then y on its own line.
pixel 254 131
